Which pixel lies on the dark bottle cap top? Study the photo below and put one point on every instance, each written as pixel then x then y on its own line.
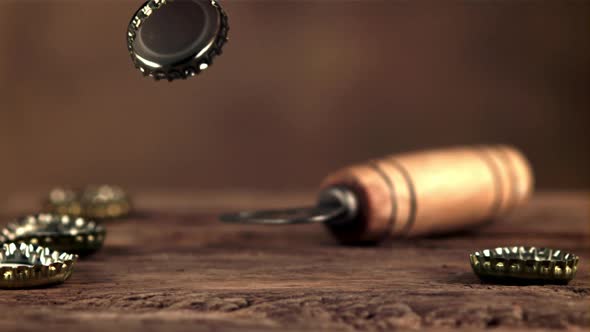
pixel 171 39
pixel 59 232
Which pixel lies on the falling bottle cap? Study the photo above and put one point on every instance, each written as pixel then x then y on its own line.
pixel 172 39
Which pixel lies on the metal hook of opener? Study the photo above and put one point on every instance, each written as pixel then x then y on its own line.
pixel 334 204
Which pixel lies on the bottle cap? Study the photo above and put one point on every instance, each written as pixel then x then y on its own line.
pixel 26 266
pixel 527 265
pixel 171 39
pixel 60 232
pixel 92 202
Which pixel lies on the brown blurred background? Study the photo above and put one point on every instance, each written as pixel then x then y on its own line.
pixel 304 87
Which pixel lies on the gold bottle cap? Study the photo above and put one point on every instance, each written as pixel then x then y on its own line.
pixel 59 232
pixel 527 265
pixel 94 202
pixel 26 266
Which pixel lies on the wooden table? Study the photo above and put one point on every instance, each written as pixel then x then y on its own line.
pixel 173 267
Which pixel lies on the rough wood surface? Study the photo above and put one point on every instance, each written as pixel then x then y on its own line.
pixel 173 267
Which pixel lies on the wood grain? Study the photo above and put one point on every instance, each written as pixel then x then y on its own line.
pixel 173 267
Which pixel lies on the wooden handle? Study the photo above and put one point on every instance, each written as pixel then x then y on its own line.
pixel 433 191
